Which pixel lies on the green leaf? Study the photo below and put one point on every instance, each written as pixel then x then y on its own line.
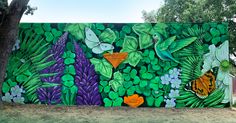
pixel 145 40
pixel 126 29
pixel 134 58
pixel 121 91
pixel 68 83
pixel 160 28
pixel 77 30
pixel 127 84
pixel 113 95
pixel 102 66
pixel 214 32
pixel 103 83
pixel 118 102
pixel 74 90
pixel 158 101
pixel 69 61
pixel 142 28
pixel 5 87
pixel 108 36
pixel 117 81
pixel 70 69
pixel 183 43
pixel 67 77
pixel 150 100
pixel 107 102
pixel 143 83
pixel 21 78
pixel 130 44
pixel 133 73
pixel 107 89
pixel 165 45
pixel 49 36
pixel 48 84
pixel 131 91
pixel 47 27
pixel 56 33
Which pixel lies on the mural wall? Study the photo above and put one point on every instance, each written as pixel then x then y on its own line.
pixel 136 65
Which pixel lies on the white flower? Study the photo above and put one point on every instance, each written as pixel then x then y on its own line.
pixel 7 98
pixel 16 91
pixel 174 73
pixel 219 57
pixel 165 79
pixel 175 83
pixel 19 99
pixel 173 93
pixel 170 103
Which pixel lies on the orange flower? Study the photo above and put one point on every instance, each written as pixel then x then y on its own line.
pixel 115 58
pixel 133 101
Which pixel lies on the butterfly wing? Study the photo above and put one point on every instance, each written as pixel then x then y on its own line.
pixel 91 39
pixel 106 46
pixel 97 50
pixel 204 85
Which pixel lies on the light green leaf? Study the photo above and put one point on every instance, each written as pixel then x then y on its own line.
pixel 130 44
pixel 108 36
pixel 142 28
pixel 77 30
pixel 102 66
pixel 145 40
pixel 134 58
pixel 165 45
pixel 117 81
pixel 48 84
pixel 183 43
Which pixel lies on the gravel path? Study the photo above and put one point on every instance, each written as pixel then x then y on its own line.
pixel 60 114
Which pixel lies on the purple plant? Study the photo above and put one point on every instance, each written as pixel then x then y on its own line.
pixel 52 95
pixel 86 80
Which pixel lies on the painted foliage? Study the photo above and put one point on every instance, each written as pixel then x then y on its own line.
pixel 136 65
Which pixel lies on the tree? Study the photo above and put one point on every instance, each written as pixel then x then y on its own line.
pixel 10 16
pixel 197 11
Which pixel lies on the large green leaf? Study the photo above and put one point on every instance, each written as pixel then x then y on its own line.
pixel 117 81
pixel 165 45
pixel 108 36
pixel 145 37
pixel 102 66
pixel 77 30
pixel 134 58
pixel 160 28
pixel 145 40
pixel 142 28
pixel 183 43
pixel 130 45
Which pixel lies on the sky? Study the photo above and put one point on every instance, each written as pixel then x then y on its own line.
pixel 106 11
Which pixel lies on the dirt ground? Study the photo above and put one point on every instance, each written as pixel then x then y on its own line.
pixel 60 114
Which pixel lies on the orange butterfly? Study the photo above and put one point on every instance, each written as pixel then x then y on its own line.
pixel 115 58
pixel 204 85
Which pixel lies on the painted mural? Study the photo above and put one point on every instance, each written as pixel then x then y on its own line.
pixel 136 64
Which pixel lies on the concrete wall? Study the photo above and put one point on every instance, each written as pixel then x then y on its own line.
pixel 147 65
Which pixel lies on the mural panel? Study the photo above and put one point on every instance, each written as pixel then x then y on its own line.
pixel 137 65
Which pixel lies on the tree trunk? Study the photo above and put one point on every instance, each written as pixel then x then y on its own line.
pixel 8 34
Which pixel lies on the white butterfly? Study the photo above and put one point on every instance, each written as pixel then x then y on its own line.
pixel 93 42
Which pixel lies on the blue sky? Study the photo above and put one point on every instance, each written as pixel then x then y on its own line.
pixel 115 11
